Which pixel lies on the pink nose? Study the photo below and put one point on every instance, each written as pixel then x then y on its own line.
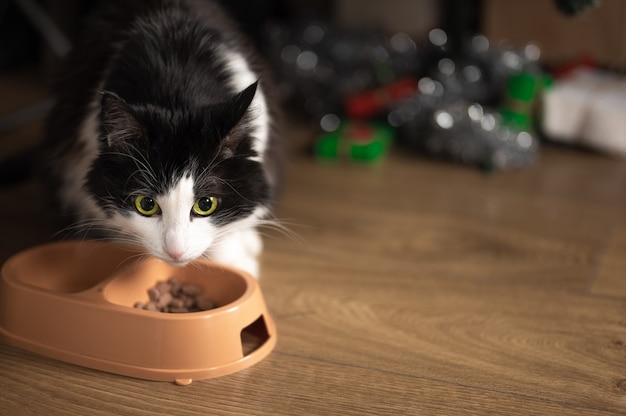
pixel 174 254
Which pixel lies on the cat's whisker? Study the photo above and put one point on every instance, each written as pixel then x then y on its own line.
pixel 208 169
pixel 225 182
pixel 207 172
pixel 81 227
pixel 282 229
pixel 140 121
pixel 143 166
pixel 99 230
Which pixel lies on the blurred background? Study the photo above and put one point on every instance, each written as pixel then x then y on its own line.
pixel 454 210
pixel 478 82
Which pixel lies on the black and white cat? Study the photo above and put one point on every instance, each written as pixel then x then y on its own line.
pixel 164 133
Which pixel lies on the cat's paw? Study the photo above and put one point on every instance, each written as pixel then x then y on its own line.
pixel 244 262
pixel 240 250
pixel 250 265
pixel 252 242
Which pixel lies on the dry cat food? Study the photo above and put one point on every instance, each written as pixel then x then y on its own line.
pixel 175 297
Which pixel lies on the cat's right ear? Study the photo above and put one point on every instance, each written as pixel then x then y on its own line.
pixel 119 125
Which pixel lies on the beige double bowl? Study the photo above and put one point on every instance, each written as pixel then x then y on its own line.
pixel 73 301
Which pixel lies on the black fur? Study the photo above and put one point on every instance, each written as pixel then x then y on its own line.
pixel 155 72
pixel 167 144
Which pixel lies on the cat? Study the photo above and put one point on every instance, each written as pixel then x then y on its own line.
pixel 165 133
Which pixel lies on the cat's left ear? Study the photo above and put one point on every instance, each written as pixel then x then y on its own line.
pixel 118 121
pixel 229 114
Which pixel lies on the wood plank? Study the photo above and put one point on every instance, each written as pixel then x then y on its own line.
pixel 539 234
pixel 554 346
pixel 283 384
pixel 611 278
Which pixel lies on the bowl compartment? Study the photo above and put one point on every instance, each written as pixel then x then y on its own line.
pixel 68 267
pixel 221 286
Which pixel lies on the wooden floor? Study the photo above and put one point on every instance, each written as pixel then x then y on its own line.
pixel 412 288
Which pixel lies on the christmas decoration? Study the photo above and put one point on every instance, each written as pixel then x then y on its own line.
pixel 475 105
pixel 586 108
pixel 358 141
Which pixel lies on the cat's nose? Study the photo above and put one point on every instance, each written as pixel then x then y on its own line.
pixel 174 254
pixel 175 244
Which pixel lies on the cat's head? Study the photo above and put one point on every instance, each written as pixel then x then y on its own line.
pixel 176 181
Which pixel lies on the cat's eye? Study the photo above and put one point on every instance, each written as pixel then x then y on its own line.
pixel 146 205
pixel 205 206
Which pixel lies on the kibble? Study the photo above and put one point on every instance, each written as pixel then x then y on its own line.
pixel 172 296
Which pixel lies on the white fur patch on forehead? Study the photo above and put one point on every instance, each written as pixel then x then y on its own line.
pixel 177 202
pixel 241 78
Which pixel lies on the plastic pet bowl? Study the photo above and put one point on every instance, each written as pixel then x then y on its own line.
pixel 73 301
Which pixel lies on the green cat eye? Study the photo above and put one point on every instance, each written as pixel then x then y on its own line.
pixel 205 206
pixel 146 205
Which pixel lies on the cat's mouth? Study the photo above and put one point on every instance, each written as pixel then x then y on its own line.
pixel 175 262
pixel 179 263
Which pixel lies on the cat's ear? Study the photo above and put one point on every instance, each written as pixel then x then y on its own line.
pixel 227 115
pixel 119 125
